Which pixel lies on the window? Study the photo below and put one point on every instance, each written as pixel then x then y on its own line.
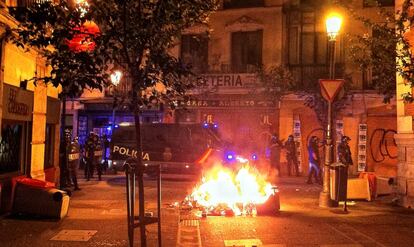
pixel 14 147
pixel 50 132
pixel 293 45
pixel 194 51
pixel 313 45
pixel 230 4
pixel 383 3
pixel 246 51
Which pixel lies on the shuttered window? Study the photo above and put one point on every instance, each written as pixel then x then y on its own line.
pixel 246 51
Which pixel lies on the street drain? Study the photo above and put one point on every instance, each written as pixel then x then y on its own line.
pixel 74 235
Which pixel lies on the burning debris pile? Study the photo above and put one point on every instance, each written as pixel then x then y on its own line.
pixel 239 191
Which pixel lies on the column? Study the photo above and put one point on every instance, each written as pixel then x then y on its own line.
pixel 405 143
pixel 38 132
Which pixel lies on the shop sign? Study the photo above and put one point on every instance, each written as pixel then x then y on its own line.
pixel 18 103
pixel 228 81
pixel 229 103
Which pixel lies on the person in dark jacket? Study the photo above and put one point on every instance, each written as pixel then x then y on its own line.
pixel 98 156
pixel 345 157
pixel 89 152
pixel 314 161
pixel 275 145
pixel 105 146
pixel 292 160
pixel 344 152
pixel 74 156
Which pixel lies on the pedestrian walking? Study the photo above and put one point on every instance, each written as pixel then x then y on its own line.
pixel 314 161
pixel 275 146
pixel 291 156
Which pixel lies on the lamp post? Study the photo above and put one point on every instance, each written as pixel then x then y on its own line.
pixel 333 25
pixel 115 79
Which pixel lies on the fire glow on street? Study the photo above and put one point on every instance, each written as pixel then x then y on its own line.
pixel 232 191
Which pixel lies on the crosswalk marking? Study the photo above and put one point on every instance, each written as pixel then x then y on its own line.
pixel 188 234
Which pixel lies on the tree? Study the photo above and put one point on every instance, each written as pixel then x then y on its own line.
pixel 49 29
pixel 135 35
pixel 374 50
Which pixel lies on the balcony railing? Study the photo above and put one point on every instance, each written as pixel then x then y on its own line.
pixel 26 3
pixel 234 4
pixel 307 76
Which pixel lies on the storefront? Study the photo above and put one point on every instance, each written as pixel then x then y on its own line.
pixel 242 115
pixel 16 138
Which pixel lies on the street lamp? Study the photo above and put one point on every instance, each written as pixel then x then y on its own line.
pixel 333 25
pixel 115 79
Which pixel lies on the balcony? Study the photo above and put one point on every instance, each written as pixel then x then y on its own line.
pixel 307 76
pixel 25 3
pixel 236 4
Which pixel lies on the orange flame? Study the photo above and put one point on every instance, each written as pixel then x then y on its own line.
pixel 235 190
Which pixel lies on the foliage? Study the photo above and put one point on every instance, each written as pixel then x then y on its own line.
pixel 374 51
pixel 405 59
pixel 48 27
pixel 136 37
pixel 377 51
pixel 276 81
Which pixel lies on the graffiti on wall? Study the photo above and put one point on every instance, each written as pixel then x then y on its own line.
pixel 382 145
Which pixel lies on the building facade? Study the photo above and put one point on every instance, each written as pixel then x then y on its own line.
pixel 29 116
pixel 405 136
pixel 243 35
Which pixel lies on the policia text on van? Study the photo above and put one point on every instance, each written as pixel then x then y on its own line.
pixel 132 153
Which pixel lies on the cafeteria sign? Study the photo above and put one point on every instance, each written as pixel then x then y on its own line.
pixel 228 80
pixel 18 103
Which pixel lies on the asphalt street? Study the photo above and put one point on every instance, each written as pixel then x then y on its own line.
pixel 97 217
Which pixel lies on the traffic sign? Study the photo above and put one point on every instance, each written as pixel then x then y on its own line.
pixel 330 88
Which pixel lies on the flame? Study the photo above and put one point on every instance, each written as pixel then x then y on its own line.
pixel 233 189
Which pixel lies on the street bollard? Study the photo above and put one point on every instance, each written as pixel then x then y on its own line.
pixel 132 173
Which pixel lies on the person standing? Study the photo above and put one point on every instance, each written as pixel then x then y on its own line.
pixel 89 151
pixel 292 160
pixel 314 161
pixel 345 157
pixel 275 146
pixel 98 156
pixel 105 145
pixel 74 155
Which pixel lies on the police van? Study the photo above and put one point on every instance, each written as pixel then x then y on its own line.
pixel 178 148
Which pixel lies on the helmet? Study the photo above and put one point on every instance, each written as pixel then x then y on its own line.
pixel 345 138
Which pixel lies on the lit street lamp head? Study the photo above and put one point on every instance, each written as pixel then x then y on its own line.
pixel 116 77
pixel 333 25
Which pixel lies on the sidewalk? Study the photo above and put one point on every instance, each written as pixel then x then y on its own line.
pixel 99 210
